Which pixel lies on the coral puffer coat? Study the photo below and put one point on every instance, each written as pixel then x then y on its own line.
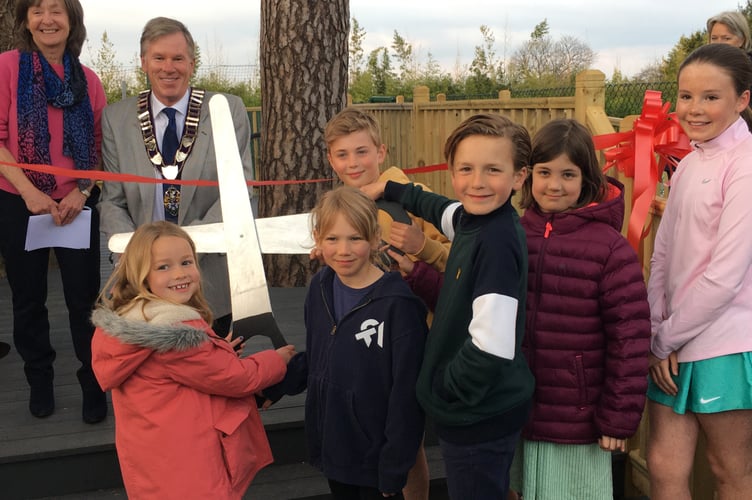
pixel 186 421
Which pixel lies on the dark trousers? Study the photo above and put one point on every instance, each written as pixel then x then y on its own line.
pixel 479 471
pixel 27 277
pixel 342 491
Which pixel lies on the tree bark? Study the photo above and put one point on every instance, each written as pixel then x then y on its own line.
pixel 304 57
pixel 7 9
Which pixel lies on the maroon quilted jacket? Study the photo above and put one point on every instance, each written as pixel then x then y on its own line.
pixel 588 325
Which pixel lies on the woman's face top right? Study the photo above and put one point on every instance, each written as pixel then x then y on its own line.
pixel 722 34
pixel 707 102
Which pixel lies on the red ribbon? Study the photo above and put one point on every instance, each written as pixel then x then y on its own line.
pixel 99 175
pixel 655 142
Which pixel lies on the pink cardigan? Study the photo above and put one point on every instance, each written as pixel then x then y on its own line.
pixel 700 288
pixel 9 124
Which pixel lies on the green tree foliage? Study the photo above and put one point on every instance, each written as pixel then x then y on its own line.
pixel 439 81
pixel 405 58
pixel 380 67
pixel 540 31
pixel 685 45
pixel 746 9
pixel 109 70
pixel 486 69
pixel 139 79
pixel 357 54
pixel 618 77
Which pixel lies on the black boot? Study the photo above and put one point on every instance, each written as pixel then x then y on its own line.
pixel 42 391
pixel 42 399
pixel 94 408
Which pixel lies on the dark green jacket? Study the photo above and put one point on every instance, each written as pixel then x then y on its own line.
pixel 475 383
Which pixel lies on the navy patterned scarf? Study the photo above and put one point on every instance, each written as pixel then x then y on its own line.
pixel 38 86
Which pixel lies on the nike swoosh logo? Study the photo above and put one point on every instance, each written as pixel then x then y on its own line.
pixel 706 180
pixel 704 401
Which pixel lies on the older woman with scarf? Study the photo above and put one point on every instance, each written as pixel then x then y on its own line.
pixel 50 106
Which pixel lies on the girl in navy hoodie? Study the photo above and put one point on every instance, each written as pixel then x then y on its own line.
pixel 365 333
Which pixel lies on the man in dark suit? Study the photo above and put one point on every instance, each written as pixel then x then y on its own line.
pixel 142 136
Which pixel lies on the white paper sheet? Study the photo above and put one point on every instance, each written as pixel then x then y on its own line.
pixel 43 233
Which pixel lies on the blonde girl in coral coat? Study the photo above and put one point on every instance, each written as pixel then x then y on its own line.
pixel 186 421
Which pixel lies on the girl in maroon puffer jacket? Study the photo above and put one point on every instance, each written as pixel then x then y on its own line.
pixel 587 334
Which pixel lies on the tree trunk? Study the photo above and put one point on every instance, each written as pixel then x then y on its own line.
pixel 304 56
pixel 7 10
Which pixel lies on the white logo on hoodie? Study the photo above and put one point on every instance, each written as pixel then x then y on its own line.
pixel 368 329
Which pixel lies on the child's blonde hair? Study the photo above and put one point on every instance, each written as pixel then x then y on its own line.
pixel 351 120
pixel 358 210
pixel 127 286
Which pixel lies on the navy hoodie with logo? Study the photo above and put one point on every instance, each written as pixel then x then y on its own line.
pixel 363 422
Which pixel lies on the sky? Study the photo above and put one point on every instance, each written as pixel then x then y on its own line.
pixel 625 35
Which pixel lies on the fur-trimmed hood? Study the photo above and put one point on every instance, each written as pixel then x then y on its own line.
pixel 160 327
pixel 128 340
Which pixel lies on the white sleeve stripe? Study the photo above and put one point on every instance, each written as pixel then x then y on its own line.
pixel 493 327
pixel 447 227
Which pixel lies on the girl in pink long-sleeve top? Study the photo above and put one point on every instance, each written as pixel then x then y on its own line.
pixel 700 289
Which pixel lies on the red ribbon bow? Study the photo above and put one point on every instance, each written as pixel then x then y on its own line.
pixel 655 142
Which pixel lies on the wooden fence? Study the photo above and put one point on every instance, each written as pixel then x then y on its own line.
pixel 414 133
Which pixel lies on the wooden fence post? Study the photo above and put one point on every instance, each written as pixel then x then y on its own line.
pixel 421 95
pixel 590 90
